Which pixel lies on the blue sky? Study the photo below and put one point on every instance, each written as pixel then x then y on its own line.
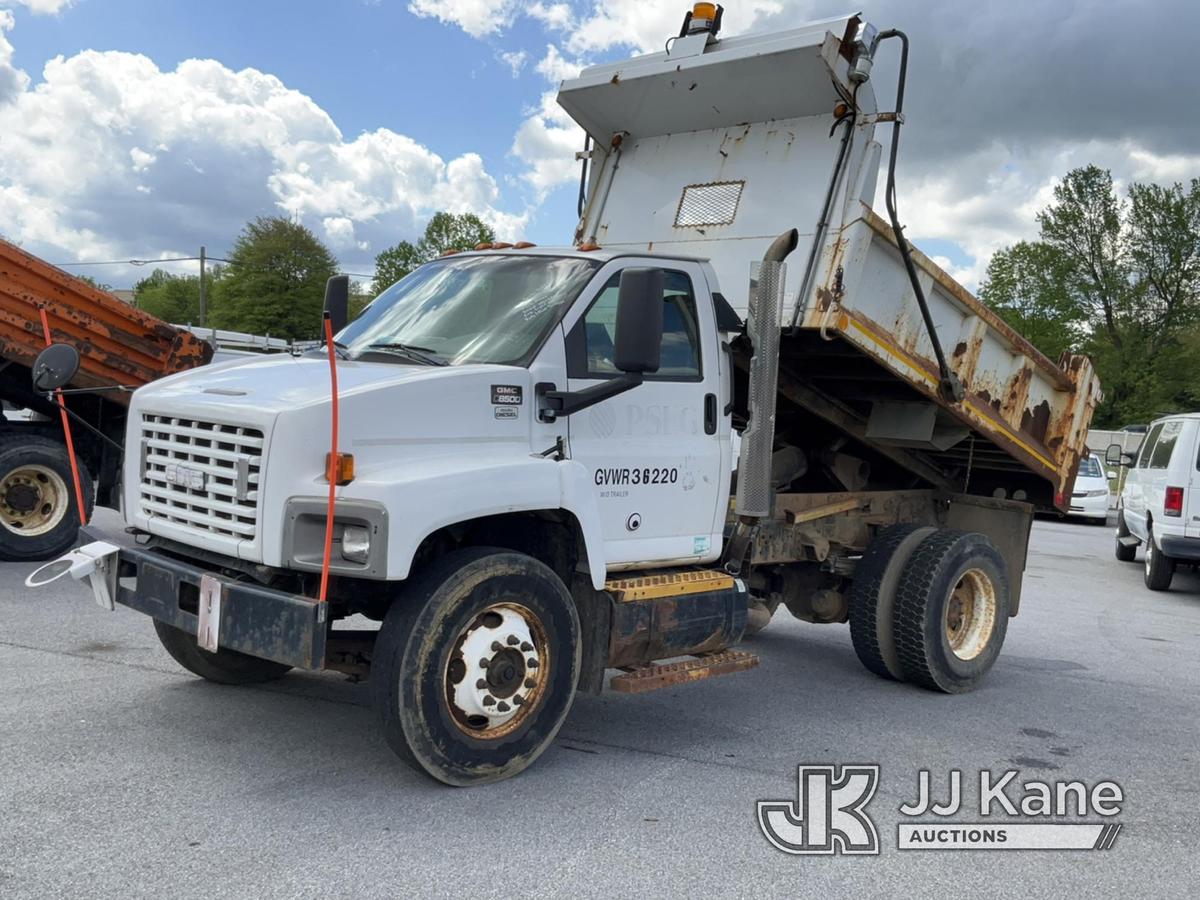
pixel 132 128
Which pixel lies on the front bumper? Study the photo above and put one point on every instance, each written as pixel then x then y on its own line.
pixel 1089 507
pixel 254 620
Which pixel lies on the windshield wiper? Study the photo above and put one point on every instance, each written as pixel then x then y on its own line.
pixel 422 354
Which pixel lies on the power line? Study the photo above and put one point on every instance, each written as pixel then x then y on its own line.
pixel 148 262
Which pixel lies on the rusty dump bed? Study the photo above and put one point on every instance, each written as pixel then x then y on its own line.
pixel 117 343
pixel 863 351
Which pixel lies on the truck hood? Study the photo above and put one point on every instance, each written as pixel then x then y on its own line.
pixel 277 383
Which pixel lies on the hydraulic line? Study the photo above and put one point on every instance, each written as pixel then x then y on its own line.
pixel 949 386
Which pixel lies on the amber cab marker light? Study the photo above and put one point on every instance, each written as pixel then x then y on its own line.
pixel 343 471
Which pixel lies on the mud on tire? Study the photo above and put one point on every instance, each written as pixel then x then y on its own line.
pixel 476 631
pixel 951 612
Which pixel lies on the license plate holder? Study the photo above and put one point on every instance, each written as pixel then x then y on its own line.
pixel 208 631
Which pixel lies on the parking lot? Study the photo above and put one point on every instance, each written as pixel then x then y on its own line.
pixel 123 775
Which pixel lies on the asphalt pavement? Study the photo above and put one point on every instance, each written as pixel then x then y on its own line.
pixel 121 775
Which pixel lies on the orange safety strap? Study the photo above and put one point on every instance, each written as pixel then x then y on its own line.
pixel 66 426
pixel 331 474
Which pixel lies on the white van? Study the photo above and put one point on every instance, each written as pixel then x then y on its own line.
pixel 1160 503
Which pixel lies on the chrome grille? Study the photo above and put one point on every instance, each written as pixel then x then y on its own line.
pixel 201 475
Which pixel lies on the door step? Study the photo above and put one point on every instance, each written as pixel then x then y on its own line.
pixel 651 677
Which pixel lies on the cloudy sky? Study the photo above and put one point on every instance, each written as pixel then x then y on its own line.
pixel 145 128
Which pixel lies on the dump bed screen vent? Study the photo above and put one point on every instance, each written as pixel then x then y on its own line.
pixel 715 203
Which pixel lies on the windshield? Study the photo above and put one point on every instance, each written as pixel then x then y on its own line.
pixel 473 309
pixel 1089 467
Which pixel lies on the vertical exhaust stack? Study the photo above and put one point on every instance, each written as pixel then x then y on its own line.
pixel 755 490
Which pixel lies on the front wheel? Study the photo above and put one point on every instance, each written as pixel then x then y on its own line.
pixel 951 611
pixel 1126 552
pixel 223 667
pixel 475 667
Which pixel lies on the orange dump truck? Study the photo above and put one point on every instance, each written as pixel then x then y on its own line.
pixel 120 348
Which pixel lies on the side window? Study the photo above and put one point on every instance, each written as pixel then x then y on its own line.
pixel 590 345
pixel 1147 446
pixel 1160 457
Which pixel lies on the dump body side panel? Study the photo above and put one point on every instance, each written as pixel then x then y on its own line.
pixel 1034 410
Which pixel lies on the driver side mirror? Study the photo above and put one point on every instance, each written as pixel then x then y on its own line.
pixel 637 344
pixel 55 367
pixel 337 301
pixel 1115 455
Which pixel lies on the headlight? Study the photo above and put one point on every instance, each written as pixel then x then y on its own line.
pixel 1100 493
pixel 356 543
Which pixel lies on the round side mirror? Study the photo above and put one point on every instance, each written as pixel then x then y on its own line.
pixel 55 367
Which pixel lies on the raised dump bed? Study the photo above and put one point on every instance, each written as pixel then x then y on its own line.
pixel 717 146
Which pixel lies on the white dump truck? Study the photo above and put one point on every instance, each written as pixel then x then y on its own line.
pixel 611 460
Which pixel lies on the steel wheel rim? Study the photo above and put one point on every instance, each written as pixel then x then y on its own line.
pixel 33 500
pixel 495 676
pixel 970 618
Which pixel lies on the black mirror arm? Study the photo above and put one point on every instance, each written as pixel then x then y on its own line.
pixel 57 401
pixel 552 403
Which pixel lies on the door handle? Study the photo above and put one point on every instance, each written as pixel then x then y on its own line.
pixel 710 413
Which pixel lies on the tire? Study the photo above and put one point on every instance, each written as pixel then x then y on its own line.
pixel 223 667
pixel 1124 553
pixel 949 568
pixel 1159 568
pixel 470 607
pixel 872 596
pixel 39 518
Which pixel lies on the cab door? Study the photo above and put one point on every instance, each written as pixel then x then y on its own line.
pixel 658 454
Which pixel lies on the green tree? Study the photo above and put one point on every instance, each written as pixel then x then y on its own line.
pixel 1027 285
pixel 274 282
pixel 174 298
pixel 1118 279
pixel 445 231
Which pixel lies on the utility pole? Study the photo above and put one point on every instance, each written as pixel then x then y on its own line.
pixel 203 294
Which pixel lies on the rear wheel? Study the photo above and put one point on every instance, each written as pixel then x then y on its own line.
pixel 1160 568
pixel 1125 552
pixel 39 518
pixel 951 613
pixel 872 597
pixel 475 667
pixel 223 667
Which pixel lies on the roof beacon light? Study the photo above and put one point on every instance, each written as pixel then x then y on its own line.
pixel 704 18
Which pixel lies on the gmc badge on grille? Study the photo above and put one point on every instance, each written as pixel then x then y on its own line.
pixel 193 479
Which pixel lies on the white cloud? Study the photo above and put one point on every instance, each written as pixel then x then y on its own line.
pixel 557 16
pixel 44 7
pixel 515 61
pixel 110 156
pixel 477 18
pixel 12 79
